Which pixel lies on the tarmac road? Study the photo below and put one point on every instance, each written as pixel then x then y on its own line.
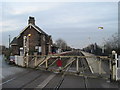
pixel 29 78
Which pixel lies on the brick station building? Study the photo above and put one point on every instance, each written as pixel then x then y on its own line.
pixel 39 41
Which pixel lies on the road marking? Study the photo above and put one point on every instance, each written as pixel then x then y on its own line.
pixel 91 69
pixel 45 82
pixel 7 81
pixel 15 77
pixel 88 63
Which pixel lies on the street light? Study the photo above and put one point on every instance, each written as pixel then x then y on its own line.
pixel 28 46
pixel 29 35
pixel 100 27
pixel 103 47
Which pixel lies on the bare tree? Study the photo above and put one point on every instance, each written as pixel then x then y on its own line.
pixel 112 43
pixel 61 43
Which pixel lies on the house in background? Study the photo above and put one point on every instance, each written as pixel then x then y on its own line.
pixel 38 41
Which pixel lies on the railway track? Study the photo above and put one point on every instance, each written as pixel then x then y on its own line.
pixel 45 79
pixel 82 64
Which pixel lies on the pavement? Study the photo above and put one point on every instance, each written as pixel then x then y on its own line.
pixel 94 64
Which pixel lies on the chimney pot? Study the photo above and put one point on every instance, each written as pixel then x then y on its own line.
pixel 31 20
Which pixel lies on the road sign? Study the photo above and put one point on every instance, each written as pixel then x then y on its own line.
pixel 59 63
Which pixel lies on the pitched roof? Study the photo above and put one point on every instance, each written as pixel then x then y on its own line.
pixel 35 27
pixel 14 41
pixel 40 30
pixel 31 19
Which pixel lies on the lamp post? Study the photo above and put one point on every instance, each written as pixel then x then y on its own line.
pixel 89 40
pixel 9 48
pixel 103 47
pixel 72 47
pixel 9 42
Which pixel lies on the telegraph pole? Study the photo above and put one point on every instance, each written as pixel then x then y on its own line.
pixel 9 42
pixel 9 45
pixel 9 49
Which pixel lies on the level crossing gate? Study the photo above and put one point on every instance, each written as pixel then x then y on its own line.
pixel 90 66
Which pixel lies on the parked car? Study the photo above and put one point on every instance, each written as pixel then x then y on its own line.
pixel 12 60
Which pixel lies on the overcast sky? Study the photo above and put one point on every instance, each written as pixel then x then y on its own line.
pixel 75 22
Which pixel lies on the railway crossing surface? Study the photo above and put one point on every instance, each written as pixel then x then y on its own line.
pixel 77 73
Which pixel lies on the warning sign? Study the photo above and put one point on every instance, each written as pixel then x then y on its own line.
pixel 59 63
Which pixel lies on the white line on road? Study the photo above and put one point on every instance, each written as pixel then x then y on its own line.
pixel 88 62
pixel 44 83
pixel 91 69
pixel 7 81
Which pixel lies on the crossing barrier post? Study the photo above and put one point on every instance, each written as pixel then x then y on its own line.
pixel 77 64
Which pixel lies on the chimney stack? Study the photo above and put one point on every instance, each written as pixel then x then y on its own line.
pixel 31 20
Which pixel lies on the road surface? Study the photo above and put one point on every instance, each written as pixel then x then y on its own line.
pixel 30 78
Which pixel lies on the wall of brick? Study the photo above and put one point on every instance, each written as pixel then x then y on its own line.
pixel 36 39
pixel 15 50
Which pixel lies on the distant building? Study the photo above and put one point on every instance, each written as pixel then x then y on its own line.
pixel 3 50
pixel 39 41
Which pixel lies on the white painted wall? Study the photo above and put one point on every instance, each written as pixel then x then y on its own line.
pixel 19 60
